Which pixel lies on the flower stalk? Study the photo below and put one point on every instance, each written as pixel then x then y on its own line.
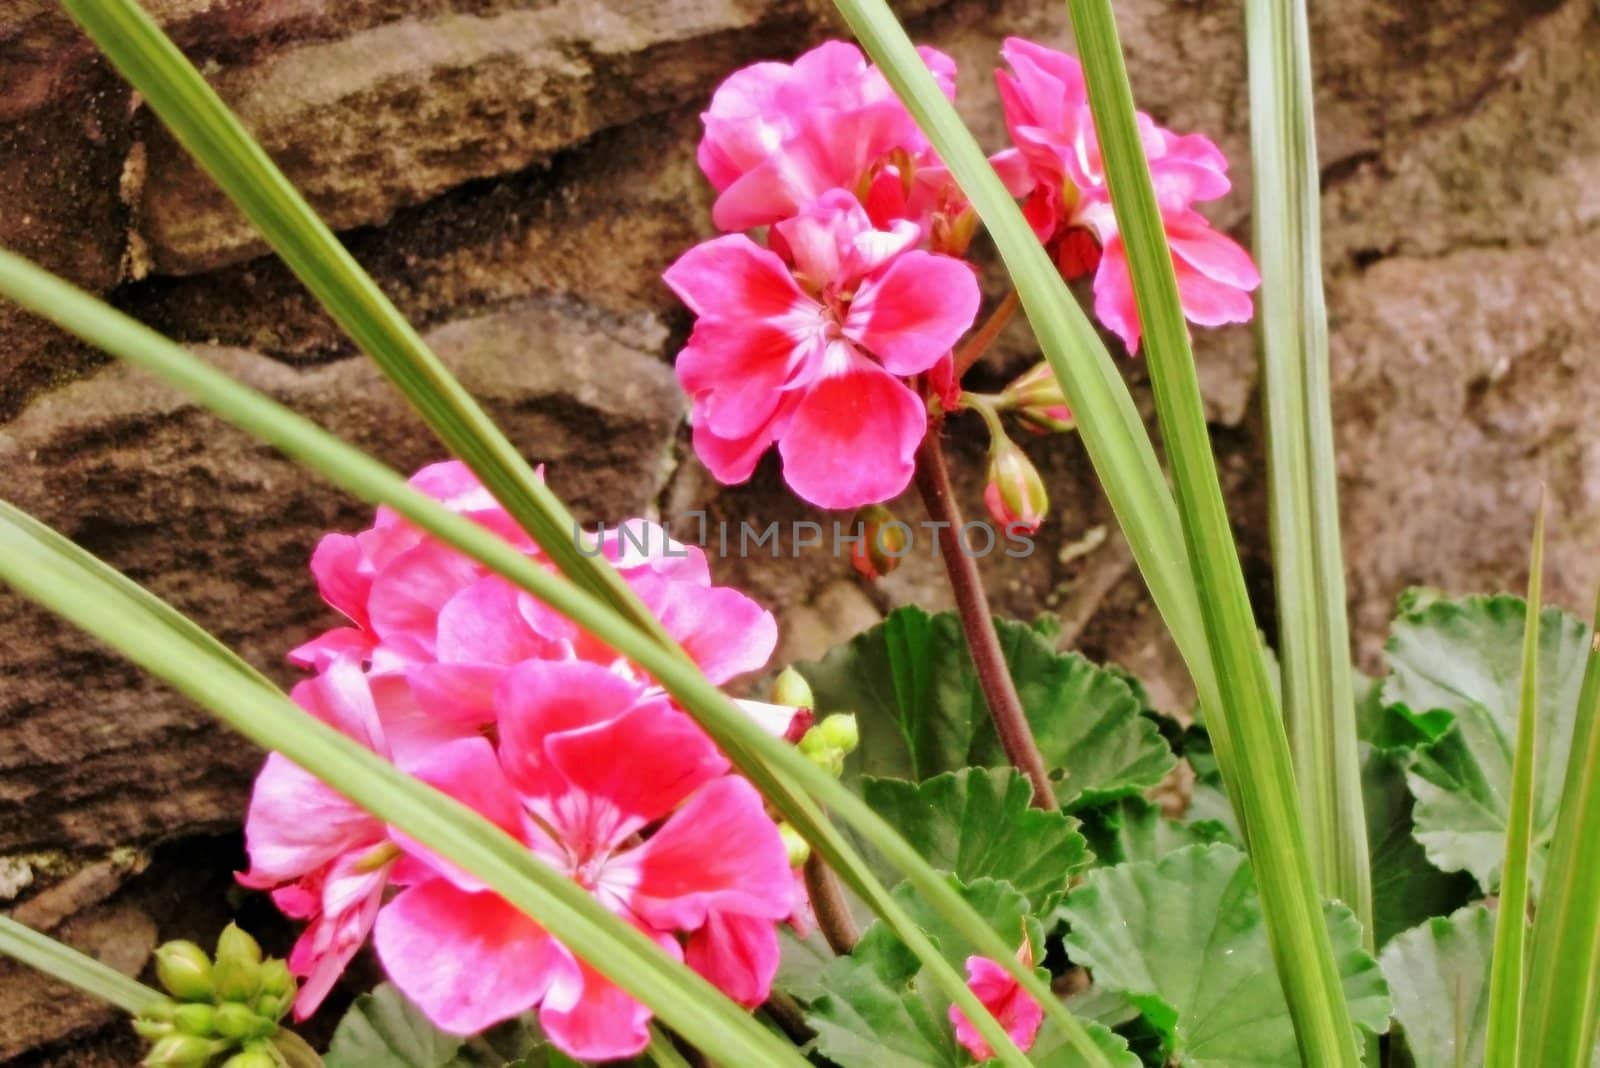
pixel 977 621
pixel 832 910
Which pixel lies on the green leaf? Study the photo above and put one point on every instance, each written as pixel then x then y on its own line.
pixel 385 1030
pixel 1183 938
pixel 1308 563
pixel 1406 887
pixel 921 712
pixel 1133 829
pixel 77 969
pixel 1439 978
pixel 1462 658
pixel 1564 971
pixel 879 1010
pixel 1510 956
pixel 978 822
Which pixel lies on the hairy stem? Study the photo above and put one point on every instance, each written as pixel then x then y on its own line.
pixel 978 343
pixel 831 909
pixel 977 620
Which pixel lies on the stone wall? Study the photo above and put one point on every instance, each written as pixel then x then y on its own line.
pixel 516 173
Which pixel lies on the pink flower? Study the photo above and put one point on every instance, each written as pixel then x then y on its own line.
pixel 625 795
pixel 778 136
pixel 1056 166
pixel 1015 1010
pixel 804 344
pixel 326 860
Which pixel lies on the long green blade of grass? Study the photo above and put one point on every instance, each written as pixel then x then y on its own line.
pixel 784 776
pixel 1108 421
pixel 58 580
pixel 1289 898
pixel 211 133
pixel 1562 1005
pixel 1509 962
pixel 77 969
pixel 1308 564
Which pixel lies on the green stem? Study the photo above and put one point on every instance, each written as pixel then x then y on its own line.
pixel 1290 902
pixel 977 620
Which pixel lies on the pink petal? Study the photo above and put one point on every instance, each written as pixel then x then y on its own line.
pixel 456 693
pixel 1211 253
pixel 625 773
pixel 1013 169
pixel 483 624
pixel 723 631
pixel 593 1019
pixel 1017 1012
pixel 1113 295
pixel 351 897
pixel 340 643
pixel 737 954
pixel 296 825
pixel 337 566
pixel 408 594
pixel 468 961
pixel 1049 85
pixel 732 460
pixel 734 278
pixel 468 771
pixel 853 435
pixel 720 852
pixel 914 311
pixel 736 370
pixel 542 698
pixel 342 698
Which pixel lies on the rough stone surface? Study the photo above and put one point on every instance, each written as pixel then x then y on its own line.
pixel 516 173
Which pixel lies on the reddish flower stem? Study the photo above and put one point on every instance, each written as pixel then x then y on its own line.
pixel 830 907
pixel 979 342
pixel 977 621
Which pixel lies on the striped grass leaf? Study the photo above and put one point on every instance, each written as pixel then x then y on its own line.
pixel 77 969
pixel 1509 961
pixel 1308 565
pixel 1268 797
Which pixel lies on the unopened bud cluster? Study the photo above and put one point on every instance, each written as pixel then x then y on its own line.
pixel 223 1010
pixel 826 744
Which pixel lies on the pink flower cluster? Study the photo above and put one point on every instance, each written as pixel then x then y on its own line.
pixel 829 339
pixel 471 685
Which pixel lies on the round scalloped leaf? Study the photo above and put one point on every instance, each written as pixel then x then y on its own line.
pixel 978 822
pixel 1183 938
pixel 1463 660
pixel 1439 978
pixel 914 691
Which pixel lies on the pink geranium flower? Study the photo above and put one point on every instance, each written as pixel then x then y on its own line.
pixel 1056 166
pixel 326 861
pixel 1011 1006
pixel 778 136
pixel 625 795
pixel 805 344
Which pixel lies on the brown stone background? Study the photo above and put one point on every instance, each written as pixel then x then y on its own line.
pixel 516 173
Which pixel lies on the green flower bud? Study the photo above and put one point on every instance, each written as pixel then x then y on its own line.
pixel 179 1051
pixel 1037 400
pixel 272 1007
pixel 159 1011
pixel 1015 493
pixel 251 1058
pixel 185 970
pixel 840 732
pixel 235 943
pixel 237 980
pixel 239 1022
pixel 816 748
pixel 197 1018
pixel 151 1029
pixel 792 689
pixel 276 979
pixel 798 848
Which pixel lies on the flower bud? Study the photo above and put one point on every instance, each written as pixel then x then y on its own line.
pixel 952 232
pixel 185 970
pixel 237 980
pixel 251 1058
pixel 884 540
pixel 791 688
pixel 235 943
pixel 1014 494
pixel 841 732
pixel 238 1022
pixel 798 848
pixel 151 1029
pixel 276 979
pixel 1036 397
pixel 272 1006
pixel 196 1018
pixel 179 1051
